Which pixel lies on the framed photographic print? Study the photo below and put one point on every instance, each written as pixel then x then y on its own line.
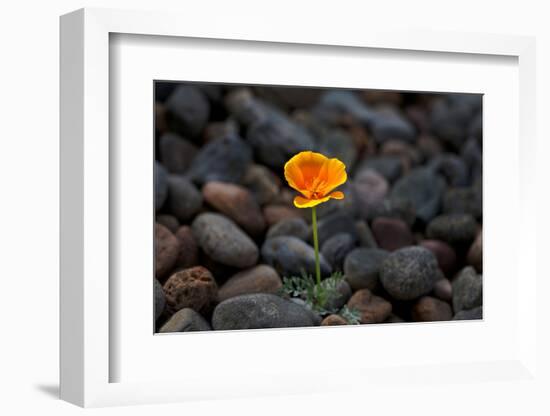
pixel 254 215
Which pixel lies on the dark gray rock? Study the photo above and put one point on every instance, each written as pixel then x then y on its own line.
pixel 336 104
pixel 161 185
pixel 364 235
pixel 223 159
pixel 390 167
pixel 336 300
pixel 409 273
pixel 176 153
pixel 295 227
pixel 334 224
pixel 469 314
pixel 275 140
pixel 463 201
pixel 371 189
pixel 184 199
pixel 389 125
pixel 186 320
pixel 362 267
pixel 223 241
pixel 467 290
pixel 471 154
pixel 261 311
pixel 423 189
pixel 452 168
pixel 160 301
pixel 290 256
pixel 336 248
pixel 336 143
pixel 457 229
pixel 400 208
pixel 187 110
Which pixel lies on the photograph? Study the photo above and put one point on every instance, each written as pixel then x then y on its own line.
pixel 293 206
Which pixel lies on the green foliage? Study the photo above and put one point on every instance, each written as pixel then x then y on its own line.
pixel 351 315
pixel 318 296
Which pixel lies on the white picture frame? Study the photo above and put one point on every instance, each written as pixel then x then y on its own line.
pixel 87 166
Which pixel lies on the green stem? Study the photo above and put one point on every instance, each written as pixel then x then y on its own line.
pixel 316 245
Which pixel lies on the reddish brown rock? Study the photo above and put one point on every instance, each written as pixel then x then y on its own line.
pixel 428 309
pixel 392 233
pixel 259 279
pixel 193 288
pixel 188 255
pixel 372 309
pixel 332 320
pixel 275 213
pixel 444 253
pixel 237 203
pixel 166 251
pixel 475 254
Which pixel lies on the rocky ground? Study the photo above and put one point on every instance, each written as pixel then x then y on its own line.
pixel 407 236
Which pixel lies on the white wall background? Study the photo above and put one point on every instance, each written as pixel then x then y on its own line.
pixel 29 209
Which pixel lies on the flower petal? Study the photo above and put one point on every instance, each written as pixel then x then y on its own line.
pixel 336 175
pixel 301 202
pixel 336 195
pixel 303 169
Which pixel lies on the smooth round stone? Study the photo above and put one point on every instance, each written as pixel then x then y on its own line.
pixel 186 320
pixel 472 156
pixel 392 233
pixel 334 224
pixel 263 183
pixel 187 110
pixel 389 167
pixel 245 107
pixel 333 320
pixel 364 235
pixel 408 155
pixel 276 139
pixel 294 227
pixel 184 199
pixel 450 120
pixel 273 213
pixel 160 301
pixel 463 201
pixel 475 253
pixel 224 159
pixel 395 208
pixel 443 289
pixel 452 168
pixel 176 153
pixel 469 314
pixel 338 298
pixel 336 143
pixel 259 279
pixel 261 310
pixel 371 189
pixel 467 289
pixel 429 146
pixel 161 185
pixel 336 248
pixel 390 125
pixel 291 256
pixel 334 105
pixel 372 309
pixel 362 267
pixel 166 251
pixel 223 241
pixel 423 189
pixel 189 251
pixel 428 309
pixel 237 203
pixel 455 229
pixel 409 273
pixel 193 288
pixel 444 253
pixel 169 221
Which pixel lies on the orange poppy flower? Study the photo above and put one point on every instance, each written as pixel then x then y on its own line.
pixel 314 176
